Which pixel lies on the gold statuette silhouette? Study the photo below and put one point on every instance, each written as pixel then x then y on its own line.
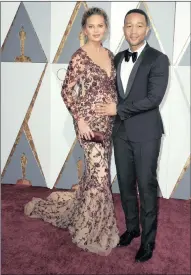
pixel 23 181
pixel 22 57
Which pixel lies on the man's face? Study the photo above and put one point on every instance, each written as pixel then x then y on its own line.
pixel 135 29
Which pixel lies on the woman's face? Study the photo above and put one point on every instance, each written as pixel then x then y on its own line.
pixel 95 28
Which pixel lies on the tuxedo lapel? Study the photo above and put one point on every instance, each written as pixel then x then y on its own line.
pixel 134 71
pixel 119 82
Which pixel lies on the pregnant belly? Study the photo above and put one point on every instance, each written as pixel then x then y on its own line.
pixel 101 123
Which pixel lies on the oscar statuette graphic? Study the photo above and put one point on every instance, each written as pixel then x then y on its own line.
pixel 22 57
pixel 23 181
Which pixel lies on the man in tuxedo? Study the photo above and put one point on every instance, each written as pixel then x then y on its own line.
pixel 142 78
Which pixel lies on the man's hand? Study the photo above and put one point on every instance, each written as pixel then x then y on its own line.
pixel 107 109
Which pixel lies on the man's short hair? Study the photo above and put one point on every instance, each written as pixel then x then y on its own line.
pixel 140 12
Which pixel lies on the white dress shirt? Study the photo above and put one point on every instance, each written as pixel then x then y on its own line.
pixel 126 67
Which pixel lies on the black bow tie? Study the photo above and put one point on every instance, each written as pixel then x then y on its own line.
pixel 128 54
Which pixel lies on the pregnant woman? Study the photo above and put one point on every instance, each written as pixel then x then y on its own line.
pixel 88 212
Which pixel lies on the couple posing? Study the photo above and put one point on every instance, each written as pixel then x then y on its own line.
pixel 117 100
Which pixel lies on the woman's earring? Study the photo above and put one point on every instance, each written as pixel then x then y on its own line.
pixel 85 38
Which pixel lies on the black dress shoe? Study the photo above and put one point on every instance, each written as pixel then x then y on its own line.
pixel 144 253
pixel 127 237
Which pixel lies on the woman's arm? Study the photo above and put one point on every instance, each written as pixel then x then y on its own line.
pixel 73 74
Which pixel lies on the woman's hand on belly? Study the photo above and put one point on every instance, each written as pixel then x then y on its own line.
pixel 106 109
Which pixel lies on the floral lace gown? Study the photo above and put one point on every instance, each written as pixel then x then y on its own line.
pixel 88 212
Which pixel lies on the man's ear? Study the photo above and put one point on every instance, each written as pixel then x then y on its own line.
pixel 124 29
pixel 148 29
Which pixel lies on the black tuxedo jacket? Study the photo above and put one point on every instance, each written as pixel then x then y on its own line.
pixel 138 105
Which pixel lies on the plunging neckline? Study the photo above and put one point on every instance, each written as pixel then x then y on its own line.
pixel 109 76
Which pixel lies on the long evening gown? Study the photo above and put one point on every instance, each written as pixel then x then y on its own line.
pixel 88 212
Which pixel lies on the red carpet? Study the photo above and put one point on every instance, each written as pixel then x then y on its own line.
pixel 32 246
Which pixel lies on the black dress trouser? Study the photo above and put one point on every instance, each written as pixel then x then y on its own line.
pixel 136 162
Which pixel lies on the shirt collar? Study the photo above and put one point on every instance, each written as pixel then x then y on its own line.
pixel 140 49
